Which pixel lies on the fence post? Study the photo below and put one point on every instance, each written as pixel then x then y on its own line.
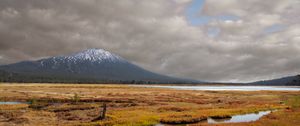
pixel 103 111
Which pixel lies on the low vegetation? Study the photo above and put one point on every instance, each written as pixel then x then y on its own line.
pixel 70 104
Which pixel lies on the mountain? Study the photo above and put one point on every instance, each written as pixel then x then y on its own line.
pixel 285 81
pixel 88 66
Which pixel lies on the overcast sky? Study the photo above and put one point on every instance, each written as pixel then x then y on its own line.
pixel 211 40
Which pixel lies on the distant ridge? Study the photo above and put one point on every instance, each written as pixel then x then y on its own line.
pixel 285 81
pixel 88 66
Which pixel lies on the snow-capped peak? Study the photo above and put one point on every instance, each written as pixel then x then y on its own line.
pixel 93 55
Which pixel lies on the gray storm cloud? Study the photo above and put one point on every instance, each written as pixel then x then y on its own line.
pixel 156 35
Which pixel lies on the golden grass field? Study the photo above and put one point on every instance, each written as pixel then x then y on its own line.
pixel 73 104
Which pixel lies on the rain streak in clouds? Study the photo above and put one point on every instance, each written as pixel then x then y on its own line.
pixel 228 40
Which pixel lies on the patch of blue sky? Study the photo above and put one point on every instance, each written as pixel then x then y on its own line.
pixel 193 13
pixel 194 16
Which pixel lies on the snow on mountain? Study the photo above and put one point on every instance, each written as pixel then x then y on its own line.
pixel 93 55
pixel 91 64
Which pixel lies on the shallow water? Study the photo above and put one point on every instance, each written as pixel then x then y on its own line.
pixel 240 118
pixel 243 118
pixel 12 103
pixel 228 88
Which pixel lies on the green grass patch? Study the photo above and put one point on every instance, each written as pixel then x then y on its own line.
pixel 293 101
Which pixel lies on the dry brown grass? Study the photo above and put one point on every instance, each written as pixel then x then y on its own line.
pixel 55 105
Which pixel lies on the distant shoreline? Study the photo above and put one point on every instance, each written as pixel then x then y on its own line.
pixel 162 84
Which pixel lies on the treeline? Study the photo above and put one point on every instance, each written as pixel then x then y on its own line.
pixel 294 82
pixel 22 78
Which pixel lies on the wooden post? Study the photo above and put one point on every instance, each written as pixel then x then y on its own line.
pixel 103 111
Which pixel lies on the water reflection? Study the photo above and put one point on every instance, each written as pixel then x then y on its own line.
pixel 12 103
pixel 240 118
pixel 234 119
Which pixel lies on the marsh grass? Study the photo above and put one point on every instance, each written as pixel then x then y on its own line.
pixel 140 106
pixel 294 101
pixel 76 98
pixel 13 107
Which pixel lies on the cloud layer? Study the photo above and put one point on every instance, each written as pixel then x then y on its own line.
pixel 261 42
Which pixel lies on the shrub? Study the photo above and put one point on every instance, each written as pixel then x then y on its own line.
pixel 76 98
